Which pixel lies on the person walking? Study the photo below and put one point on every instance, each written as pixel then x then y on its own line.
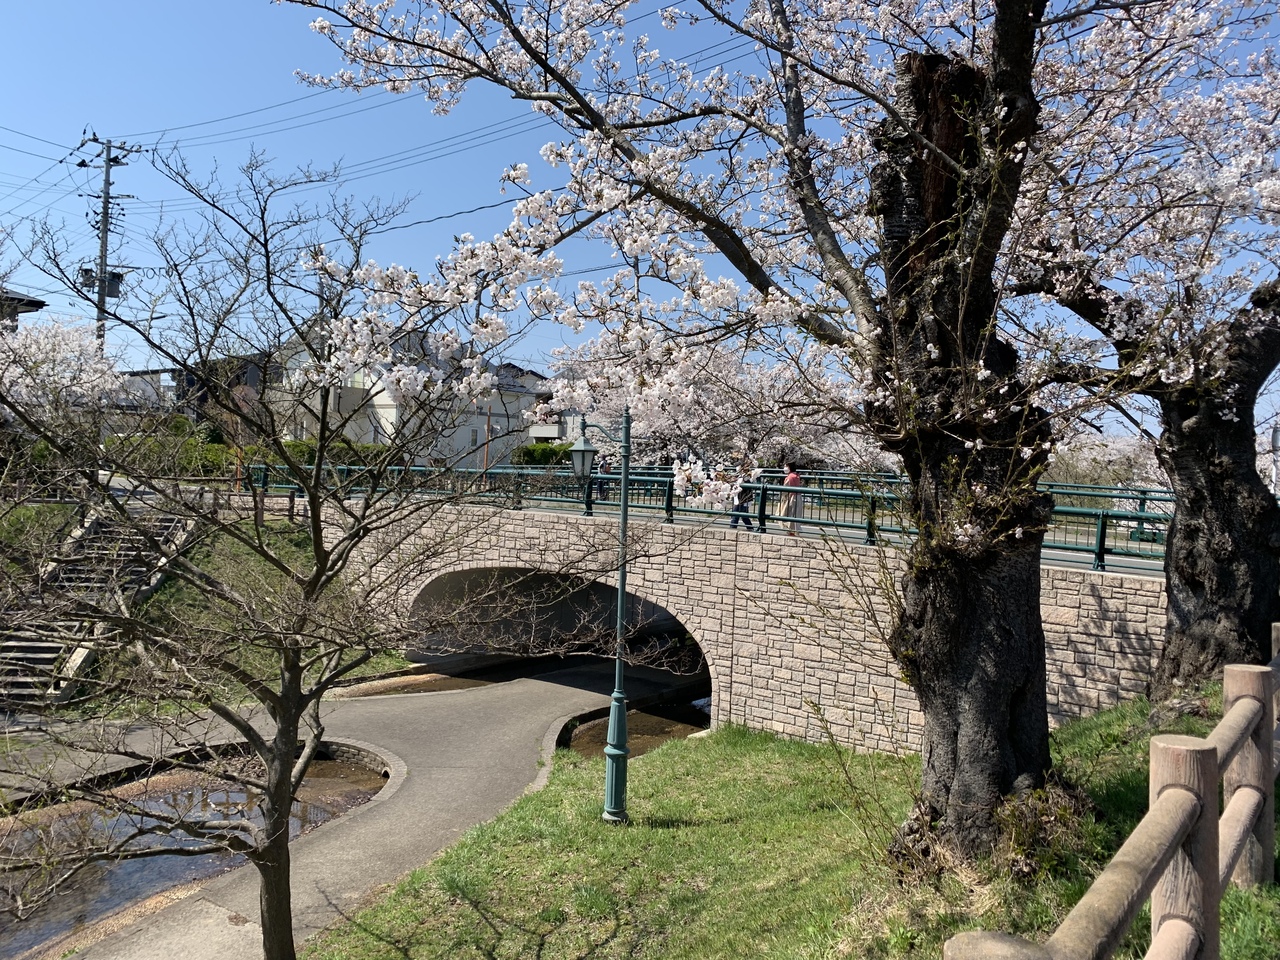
pixel 742 499
pixel 792 500
pixel 602 480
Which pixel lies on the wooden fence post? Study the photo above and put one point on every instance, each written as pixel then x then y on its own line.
pixel 1188 889
pixel 986 945
pixel 1253 767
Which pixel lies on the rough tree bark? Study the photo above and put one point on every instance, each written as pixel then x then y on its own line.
pixel 274 897
pixel 1222 555
pixel 271 858
pixel 1222 558
pixel 969 635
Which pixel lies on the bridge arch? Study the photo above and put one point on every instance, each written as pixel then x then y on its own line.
pixel 524 610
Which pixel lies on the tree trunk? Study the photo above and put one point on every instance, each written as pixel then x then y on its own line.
pixel 973 442
pixel 275 893
pixel 275 899
pixel 972 647
pixel 1221 566
pixel 970 639
pixel 1222 573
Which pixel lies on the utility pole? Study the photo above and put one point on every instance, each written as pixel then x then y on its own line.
pixel 103 281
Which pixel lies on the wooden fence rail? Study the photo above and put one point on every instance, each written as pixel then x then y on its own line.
pixel 1182 854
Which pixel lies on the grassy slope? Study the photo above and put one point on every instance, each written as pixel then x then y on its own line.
pixel 229 559
pixel 746 846
pixel 31 532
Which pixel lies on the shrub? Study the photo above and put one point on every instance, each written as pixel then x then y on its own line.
pixel 540 454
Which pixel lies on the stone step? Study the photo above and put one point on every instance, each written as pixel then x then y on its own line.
pixel 101 571
pixel 21 688
pixel 113 555
pixel 39 662
pixel 16 644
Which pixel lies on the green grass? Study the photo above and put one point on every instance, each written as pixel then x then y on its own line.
pixel 249 636
pixel 380 664
pixel 743 845
pixel 30 534
pixel 740 846
pixel 230 561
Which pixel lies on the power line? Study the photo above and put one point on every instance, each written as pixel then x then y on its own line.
pixel 40 210
pixel 366 168
pixel 41 186
pixel 270 129
pixel 438 218
pixel 234 116
pixel 38 156
pixel 30 136
pixel 413 156
pixel 36 179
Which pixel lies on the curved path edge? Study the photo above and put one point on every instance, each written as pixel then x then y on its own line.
pixel 459 760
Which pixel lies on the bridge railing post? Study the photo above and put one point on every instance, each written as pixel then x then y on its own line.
pixel 669 501
pixel 871 520
pixel 1275 653
pixel 1100 547
pixel 762 508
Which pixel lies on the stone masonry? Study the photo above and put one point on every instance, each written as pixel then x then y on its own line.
pixel 790 626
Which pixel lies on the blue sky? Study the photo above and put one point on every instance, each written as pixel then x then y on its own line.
pixel 217 79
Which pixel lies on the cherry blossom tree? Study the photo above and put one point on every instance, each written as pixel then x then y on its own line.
pixel 58 369
pixel 1151 213
pixel 694 395
pixel 1109 460
pixel 867 180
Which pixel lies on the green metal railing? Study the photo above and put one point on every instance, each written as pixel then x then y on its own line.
pixel 1104 522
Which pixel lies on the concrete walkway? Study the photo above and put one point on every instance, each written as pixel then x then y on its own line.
pixel 461 757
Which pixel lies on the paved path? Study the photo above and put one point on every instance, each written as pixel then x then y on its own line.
pixel 464 756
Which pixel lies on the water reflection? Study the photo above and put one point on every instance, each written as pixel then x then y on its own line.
pixel 103 888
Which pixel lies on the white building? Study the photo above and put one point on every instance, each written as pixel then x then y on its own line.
pixel 474 435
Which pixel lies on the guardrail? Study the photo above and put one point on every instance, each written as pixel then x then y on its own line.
pixel 1182 854
pixel 1104 522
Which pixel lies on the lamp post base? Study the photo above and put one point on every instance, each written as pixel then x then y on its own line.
pixel 615 758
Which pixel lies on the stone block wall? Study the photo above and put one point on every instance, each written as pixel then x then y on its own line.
pixel 1103 634
pixel 791 627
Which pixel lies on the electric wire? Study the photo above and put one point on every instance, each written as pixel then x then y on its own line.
pixel 260 130
pixel 273 127
pixel 233 116
pixel 30 136
pixel 509 127
pixel 38 156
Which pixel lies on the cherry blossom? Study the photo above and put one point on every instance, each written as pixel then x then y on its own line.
pixel 918 188
pixel 55 364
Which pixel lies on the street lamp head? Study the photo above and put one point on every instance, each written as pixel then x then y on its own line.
pixel 583 455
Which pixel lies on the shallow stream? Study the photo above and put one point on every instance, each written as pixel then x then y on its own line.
pixel 101 889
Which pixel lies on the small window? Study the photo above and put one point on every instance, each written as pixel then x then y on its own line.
pixel 475 437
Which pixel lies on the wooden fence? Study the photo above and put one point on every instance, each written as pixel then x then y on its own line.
pixel 1182 854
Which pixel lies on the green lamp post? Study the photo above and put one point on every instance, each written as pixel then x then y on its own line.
pixel 582 453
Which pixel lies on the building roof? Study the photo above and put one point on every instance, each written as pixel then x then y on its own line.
pixel 12 302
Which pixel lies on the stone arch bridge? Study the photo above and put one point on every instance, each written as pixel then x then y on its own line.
pixel 789 626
